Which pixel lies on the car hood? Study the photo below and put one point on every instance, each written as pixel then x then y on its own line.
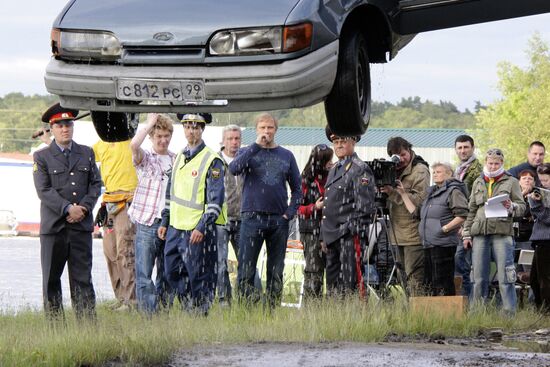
pixel 191 22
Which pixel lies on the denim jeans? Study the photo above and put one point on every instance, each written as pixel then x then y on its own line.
pixel 502 249
pixel 150 253
pixel 463 268
pixel 149 250
pixel 256 228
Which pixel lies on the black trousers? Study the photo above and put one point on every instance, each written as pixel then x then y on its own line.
pixel 314 270
pixel 341 269
pixel 75 249
pixel 540 275
pixel 439 271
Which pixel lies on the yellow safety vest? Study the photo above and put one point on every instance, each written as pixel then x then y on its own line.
pixel 188 191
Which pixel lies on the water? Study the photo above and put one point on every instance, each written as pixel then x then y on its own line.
pixel 21 275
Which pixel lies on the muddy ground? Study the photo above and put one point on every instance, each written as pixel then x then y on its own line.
pixel 478 352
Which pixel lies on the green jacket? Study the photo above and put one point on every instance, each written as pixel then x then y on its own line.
pixel 472 173
pixel 477 224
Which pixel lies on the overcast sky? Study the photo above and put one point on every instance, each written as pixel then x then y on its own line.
pixel 457 65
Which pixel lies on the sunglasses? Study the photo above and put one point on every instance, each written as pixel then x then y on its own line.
pixel 495 151
pixel 544 169
pixel 321 147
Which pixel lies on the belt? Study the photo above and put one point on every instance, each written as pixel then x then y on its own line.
pixel 263 213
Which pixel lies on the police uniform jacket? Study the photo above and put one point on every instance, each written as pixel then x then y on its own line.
pixel 215 191
pixel 349 200
pixel 60 183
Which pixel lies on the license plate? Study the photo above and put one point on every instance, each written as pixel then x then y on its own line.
pixel 160 90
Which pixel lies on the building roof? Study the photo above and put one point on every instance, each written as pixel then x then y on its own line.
pixel 375 137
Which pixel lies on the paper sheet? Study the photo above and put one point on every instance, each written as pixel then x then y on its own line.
pixel 494 207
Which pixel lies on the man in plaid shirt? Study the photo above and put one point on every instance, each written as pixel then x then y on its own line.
pixel 153 168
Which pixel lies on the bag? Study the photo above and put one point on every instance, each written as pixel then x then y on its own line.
pixel 101 216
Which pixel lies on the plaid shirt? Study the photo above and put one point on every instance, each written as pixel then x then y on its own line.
pixel 148 200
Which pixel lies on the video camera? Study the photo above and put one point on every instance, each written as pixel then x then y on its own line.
pixel 384 174
pixel 384 170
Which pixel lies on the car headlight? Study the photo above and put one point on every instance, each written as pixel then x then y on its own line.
pixel 261 41
pixel 80 45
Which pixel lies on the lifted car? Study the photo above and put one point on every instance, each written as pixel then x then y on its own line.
pixel 119 57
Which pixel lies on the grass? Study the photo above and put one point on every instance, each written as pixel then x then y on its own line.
pixel 130 338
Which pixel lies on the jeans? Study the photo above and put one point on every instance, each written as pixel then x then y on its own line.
pixel 149 250
pixel 463 268
pixel 502 249
pixel 256 228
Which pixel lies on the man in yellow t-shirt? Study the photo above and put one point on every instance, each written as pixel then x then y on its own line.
pixel 120 180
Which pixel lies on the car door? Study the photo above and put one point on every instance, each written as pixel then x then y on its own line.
pixel 415 16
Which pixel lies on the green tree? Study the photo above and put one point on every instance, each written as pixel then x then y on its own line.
pixel 19 117
pixel 522 115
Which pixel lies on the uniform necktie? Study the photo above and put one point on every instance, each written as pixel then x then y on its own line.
pixel 67 153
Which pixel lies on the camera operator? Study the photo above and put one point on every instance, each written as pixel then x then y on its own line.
pixel 414 175
pixel 540 238
pixel 347 211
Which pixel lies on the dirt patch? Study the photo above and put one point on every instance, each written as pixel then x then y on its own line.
pixel 354 354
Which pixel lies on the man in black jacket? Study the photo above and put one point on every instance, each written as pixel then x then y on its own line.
pixel 68 184
pixel 347 211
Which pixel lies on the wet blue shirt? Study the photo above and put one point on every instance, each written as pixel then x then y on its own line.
pixel 266 171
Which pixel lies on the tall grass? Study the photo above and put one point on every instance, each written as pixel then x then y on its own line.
pixel 27 339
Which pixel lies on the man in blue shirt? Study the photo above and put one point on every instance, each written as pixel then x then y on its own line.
pixel 265 211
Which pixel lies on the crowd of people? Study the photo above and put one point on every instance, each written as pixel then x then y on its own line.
pixel 177 212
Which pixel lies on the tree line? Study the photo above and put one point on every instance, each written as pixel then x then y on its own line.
pixel 20 115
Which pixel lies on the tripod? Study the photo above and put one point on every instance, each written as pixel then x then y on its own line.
pixel 390 272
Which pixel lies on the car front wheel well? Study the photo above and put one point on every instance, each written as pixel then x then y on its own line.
pixel 370 21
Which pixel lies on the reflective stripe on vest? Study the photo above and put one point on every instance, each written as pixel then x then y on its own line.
pixel 187 200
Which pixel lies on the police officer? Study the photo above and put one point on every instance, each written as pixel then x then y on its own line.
pixel 195 198
pixel 348 208
pixel 68 184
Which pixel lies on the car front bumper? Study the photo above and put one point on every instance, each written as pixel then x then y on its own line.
pixel 235 88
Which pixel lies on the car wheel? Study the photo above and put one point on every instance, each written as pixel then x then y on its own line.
pixel 347 107
pixel 114 126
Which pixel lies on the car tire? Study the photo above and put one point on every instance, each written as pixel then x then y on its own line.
pixel 113 127
pixel 348 105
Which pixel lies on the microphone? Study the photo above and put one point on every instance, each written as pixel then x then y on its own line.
pixel 395 159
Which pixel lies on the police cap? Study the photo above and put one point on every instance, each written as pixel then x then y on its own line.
pixel 197 118
pixel 330 135
pixel 56 114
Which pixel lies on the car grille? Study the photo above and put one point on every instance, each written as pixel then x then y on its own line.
pixel 137 55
